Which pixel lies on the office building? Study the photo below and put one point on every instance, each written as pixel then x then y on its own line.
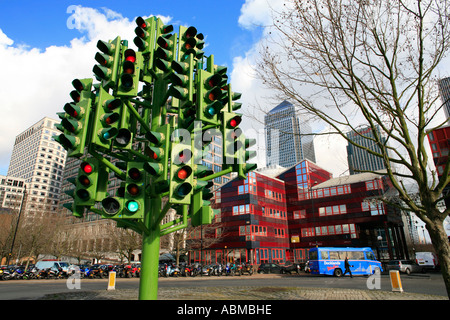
pixel 11 192
pixel 439 140
pixel 359 159
pixel 273 219
pixel 444 93
pixel 288 138
pixel 39 161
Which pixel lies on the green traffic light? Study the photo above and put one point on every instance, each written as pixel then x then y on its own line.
pixel 83 194
pixel 132 206
pixel 183 190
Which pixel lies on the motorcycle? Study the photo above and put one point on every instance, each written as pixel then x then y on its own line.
pixel 196 269
pixel 172 271
pixel 31 274
pixel 185 270
pixel 162 270
pixel 206 271
pixel 5 274
pixel 230 269
pixel 96 272
pixel 217 270
pixel 44 273
pixel 247 268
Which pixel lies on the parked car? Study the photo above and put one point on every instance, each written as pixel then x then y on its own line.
pixel 278 268
pixel 406 266
pixel 291 267
pixel 427 260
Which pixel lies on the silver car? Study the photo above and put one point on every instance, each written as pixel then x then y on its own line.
pixel 406 266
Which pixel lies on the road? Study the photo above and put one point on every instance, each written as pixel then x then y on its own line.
pixel 32 289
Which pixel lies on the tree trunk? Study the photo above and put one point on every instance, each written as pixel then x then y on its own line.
pixel 441 244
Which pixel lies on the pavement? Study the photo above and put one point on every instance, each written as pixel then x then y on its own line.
pixel 242 293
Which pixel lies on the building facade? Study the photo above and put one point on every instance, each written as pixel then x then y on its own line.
pixel 439 140
pixel 341 212
pixel 288 138
pixel 279 218
pixel 39 161
pixel 360 159
pixel 444 93
pixel 12 191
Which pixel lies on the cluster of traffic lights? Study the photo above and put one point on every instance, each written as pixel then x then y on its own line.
pixel 214 98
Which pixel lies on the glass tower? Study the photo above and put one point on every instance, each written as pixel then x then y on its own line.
pixel 288 138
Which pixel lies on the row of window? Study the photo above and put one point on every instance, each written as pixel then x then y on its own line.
pixel 251 231
pixel 374 208
pixel 324 192
pixel 330 230
pixel 274 213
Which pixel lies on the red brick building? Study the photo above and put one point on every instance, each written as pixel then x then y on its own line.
pixel 277 219
pixel 439 140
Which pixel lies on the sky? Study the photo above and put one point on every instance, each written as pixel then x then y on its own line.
pixel 45 44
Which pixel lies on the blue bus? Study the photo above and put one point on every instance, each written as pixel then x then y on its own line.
pixel 330 261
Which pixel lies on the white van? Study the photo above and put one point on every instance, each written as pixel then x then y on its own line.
pixel 427 260
pixel 55 265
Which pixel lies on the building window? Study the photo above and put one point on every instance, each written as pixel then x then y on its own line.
pixel 330 230
pixel 279 233
pixel 333 210
pixel 299 214
pixel 243 209
pixel 374 208
pixel 274 213
pixel 373 185
pixel 249 185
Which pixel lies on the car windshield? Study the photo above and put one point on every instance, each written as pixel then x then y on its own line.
pixel 63 264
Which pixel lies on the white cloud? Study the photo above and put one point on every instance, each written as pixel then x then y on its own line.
pixel 330 149
pixel 258 13
pixel 36 83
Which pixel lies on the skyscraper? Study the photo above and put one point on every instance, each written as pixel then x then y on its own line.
pixel 360 159
pixel 444 92
pixel 288 138
pixel 39 160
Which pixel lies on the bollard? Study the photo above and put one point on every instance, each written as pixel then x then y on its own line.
pixel 112 280
pixel 395 281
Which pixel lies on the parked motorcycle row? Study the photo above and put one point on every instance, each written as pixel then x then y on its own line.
pixel 97 271
pixel 19 273
pixel 100 271
pixel 185 270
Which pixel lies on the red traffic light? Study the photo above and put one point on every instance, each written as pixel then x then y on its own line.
pixel 134 174
pixel 133 189
pixel 78 85
pixel 113 104
pixel 141 22
pixel 130 55
pixel 87 167
pixel 184 173
pixel 234 122
pixel 190 32
pixel 183 157
pixel 84 180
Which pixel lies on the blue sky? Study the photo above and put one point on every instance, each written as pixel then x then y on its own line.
pixel 46 44
pixel 40 24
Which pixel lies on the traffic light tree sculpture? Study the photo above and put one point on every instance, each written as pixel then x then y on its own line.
pixel 144 121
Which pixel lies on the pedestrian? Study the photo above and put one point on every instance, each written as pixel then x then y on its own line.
pixel 347 267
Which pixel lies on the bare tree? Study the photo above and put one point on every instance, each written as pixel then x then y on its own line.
pixel 123 241
pixel 352 63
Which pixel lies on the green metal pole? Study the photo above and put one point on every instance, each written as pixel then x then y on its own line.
pixel 148 285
